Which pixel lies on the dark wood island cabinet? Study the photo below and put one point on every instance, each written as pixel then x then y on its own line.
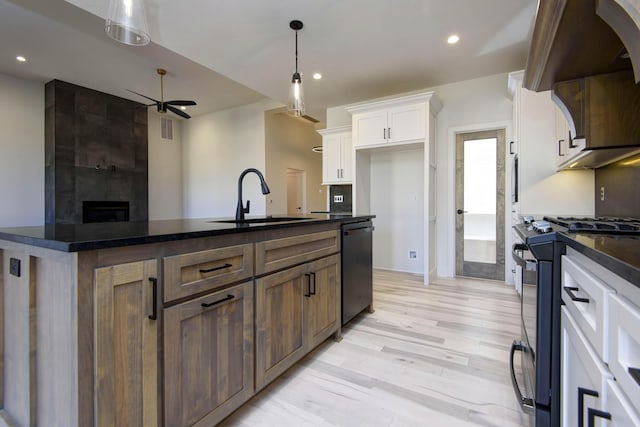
pixel 170 323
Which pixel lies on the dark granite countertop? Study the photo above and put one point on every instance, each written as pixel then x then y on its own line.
pixel 82 237
pixel 620 254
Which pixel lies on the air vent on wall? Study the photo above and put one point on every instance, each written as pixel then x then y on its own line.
pixel 167 128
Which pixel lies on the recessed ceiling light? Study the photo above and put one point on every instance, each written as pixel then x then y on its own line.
pixel 453 39
pixel 183 108
pixel 317 76
pixel 21 59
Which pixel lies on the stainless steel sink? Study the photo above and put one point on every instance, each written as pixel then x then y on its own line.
pixel 261 220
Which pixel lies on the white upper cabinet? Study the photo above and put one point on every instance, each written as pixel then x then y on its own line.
pixel 336 155
pixel 395 121
pixel 568 149
pixel 370 128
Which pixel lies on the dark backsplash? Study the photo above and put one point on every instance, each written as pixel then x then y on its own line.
pixel 346 204
pixel 621 189
pixel 95 149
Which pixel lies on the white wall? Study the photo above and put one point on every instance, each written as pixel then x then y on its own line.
pixel 21 152
pixel 217 147
pixel 397 200
pixel 165 170
pixel 288 144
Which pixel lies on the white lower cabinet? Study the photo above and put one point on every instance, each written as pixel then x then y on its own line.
pixel 599 324
pixel 584 376
pixel 619 407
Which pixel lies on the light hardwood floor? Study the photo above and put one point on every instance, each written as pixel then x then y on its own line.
pixel 428 356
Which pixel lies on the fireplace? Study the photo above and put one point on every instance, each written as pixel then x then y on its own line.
pixel 104 211
pixel 96 149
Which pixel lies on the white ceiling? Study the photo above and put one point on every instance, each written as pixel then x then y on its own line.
pixel 228 53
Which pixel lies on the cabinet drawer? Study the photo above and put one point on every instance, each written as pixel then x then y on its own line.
pixel 619 407
pixel 192 273
pixel 586 298
pixel 272 255
pixel 624 349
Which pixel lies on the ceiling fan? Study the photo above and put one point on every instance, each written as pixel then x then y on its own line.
pixel 163 105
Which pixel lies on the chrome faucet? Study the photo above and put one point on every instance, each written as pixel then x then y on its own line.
pixel 241 210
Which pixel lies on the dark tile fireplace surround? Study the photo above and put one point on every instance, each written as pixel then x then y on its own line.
pixel 95 156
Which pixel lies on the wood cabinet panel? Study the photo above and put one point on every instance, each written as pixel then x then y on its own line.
pixel 323 307
pixel 296 310
pixel 279 323
pixel 192 273
pixel 208 348
pixel 272 255
pixel 126 345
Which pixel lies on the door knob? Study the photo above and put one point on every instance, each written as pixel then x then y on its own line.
pixel 460 211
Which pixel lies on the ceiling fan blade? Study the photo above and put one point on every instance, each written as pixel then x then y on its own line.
pixel 179 102
pixel 145 96
pixel 178 112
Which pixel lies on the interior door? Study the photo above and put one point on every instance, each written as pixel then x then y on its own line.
pixel 480 164
pixel 295 192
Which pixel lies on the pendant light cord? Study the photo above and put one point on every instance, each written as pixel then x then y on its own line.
pixel 296 51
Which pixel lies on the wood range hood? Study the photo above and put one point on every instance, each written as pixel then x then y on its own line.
pixel 587 52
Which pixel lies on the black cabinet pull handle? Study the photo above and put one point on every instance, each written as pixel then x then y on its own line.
pixel 635 374
pixel 581 393
pixel 211 304
pixel 570 290
pixel 511 147
pixel 209 270
pixel 560 141
pixel 154 297
pixel 593 413
pixel 313 292
pixel 308 293
pixel 384 133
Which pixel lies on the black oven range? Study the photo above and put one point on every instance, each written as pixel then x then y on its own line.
pixel 537 252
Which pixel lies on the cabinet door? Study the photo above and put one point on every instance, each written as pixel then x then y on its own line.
pixel 322 305
pixel 126 345
pixel 333 159
pixel 370 128
pixel 346 148
pixel 584 376
pixel 279 323
pixel 619 407
pixel 208 356
pixel 406 123
pixel 562 138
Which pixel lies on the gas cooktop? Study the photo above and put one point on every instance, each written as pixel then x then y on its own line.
pixel 605 225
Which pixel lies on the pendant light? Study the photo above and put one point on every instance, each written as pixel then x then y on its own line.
pixel 127 22
pixel 296 94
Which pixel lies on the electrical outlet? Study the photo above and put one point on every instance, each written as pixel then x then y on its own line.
pixel 338 199
pixel 602 193
pixel 413 254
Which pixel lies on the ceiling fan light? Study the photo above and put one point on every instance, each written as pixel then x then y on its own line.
pixel 126 22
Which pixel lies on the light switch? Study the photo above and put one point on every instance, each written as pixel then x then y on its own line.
pixel 338 199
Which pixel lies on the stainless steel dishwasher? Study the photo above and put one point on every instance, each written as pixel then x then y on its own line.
pixel 357 276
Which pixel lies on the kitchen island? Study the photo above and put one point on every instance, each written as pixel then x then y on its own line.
pixel 174 322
